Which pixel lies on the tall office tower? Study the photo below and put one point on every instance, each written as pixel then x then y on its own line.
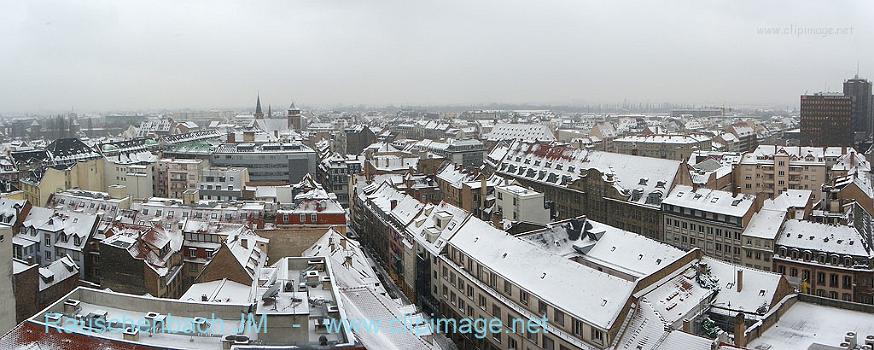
pixel 863 113
pixel 826 120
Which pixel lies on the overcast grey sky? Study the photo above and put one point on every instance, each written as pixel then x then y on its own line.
pixel 125 55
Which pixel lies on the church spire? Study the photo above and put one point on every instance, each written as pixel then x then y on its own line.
pixel 258 113
pixel 269 111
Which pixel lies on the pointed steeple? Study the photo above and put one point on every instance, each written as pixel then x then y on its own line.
pixel 269 111
pixel 258 113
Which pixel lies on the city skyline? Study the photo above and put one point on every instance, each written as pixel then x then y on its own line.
pixel 104 56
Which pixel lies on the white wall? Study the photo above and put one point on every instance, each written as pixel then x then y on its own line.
pixel 528 206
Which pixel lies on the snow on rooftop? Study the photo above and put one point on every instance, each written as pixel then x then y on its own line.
pixel 822 237
pixel 805 324
pixel 674 139
pixel 790 198
pixel 759 287
pixel 220 291
pixel 626 252
pixel 644 180
pixel 709 200
pixel 765 224
pixel 587 293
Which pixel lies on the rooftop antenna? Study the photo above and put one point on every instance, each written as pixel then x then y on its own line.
pixel 857 68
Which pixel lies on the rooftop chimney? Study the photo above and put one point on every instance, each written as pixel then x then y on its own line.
pixel 740 330
pixel 740 280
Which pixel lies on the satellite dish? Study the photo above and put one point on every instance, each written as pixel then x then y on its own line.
pixel 272 292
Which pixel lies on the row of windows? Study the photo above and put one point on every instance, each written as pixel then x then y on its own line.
pixel 718 232
pixel 507 288
pixel 832 280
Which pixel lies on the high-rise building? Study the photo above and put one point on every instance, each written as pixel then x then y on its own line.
pixel 826 120
pixel 863 113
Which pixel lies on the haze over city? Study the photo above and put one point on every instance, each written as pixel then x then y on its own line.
pixel 107 55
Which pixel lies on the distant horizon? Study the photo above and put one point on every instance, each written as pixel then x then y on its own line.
pixel 564 107
pixel 98 55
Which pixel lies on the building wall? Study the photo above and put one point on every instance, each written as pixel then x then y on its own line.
pixel 826 120
pixel 138 179
pixel 270 168
pixel 774 177
pixel 758 253
pixel 183 175
pixel 7 296
pixel 664 150
pixel 721 239
pixel 127 274
pixel 26 293
pixel 224 265
pixel 816 278
pixel 527 207
pixel 56 291
pixel 293 240
pixel 307 218
pixel 474 292
pixel 223 183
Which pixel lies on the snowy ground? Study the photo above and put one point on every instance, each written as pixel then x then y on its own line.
pixel 805 324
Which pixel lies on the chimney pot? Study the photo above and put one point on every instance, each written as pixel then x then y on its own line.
pixel 740 280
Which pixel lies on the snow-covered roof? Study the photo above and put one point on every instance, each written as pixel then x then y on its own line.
pixel 645 180
pixel 245 245
pixel 765 224
pixel 219 291
pixel 436 224
pixel 823 237
pixel 454 175
pixel 631 254
pixel 788 199
pixel 764 154
pixel 75 227
pixel 805 324
pixel 57 272
pixel 709 200
pixel 591 295
pixel 660 139
pixel 538 132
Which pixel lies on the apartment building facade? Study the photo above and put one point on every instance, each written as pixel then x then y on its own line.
pixel 620 190
pixel 174 176
pixel 223 183
pixel 710 220
pixel 773 169
pixel 826 260
pixel 676 147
